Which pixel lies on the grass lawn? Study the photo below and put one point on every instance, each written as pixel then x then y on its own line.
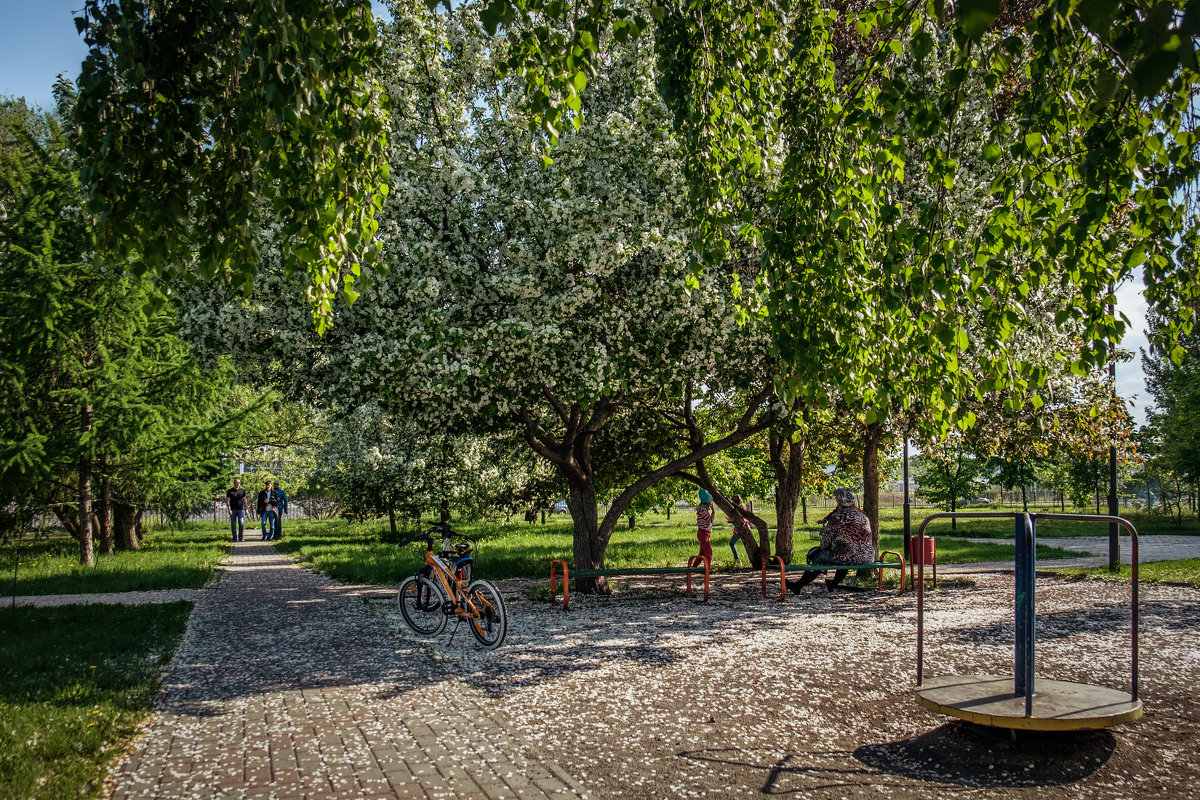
pixel 74 683
pixel 1185 571
pixel 353 552
pixel 168 559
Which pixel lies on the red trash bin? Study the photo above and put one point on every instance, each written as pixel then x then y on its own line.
pixel 929 556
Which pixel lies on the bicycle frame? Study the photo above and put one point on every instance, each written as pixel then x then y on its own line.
pixel 455 589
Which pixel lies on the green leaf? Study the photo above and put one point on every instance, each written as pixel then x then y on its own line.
pixel 922 44
pixel 1153 70
pixel 974 17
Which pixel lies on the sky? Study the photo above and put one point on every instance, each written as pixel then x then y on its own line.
pixel 38 41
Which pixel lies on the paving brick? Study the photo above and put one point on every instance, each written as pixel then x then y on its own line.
pixel 287 686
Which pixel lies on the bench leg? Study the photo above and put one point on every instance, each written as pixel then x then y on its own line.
pixel 565 579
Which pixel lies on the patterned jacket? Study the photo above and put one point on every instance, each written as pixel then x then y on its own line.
pixel 846 538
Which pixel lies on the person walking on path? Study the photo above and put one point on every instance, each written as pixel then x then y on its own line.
pixel 260 505
pixel 286 684
pixel 704 523
pixel 235 504
pixel 845 539
pixel 282 498
pixel 270 519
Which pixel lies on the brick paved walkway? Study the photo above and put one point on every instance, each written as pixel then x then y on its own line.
pixel 286 687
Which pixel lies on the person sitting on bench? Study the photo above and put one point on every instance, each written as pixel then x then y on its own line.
pixel 845 539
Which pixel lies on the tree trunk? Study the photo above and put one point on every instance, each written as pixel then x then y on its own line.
pixel 668 507
pixel 104 514
pixel 1024 501
pixel 870 505
pixel 804 509
pixel 587 550
pixel 953 520
pixel 788 475
pixel 392 521
pixel 632 521
pixel 786 500
pixel 124 526
pixel 87 556
pixel 139 526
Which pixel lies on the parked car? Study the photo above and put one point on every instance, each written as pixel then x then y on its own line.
pixel 559 508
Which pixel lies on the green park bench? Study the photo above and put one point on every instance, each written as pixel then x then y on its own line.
pixel 880 565
pixel 558 568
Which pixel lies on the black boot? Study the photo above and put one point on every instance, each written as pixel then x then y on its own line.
pixel 805 580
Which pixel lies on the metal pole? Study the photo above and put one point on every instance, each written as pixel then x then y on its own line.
pixel 1026 569
pixel 1114 535
pixel 907 506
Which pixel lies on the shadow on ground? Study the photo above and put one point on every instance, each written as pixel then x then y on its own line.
pixel 972 755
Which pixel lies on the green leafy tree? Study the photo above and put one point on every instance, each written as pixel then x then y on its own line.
pixel 947 472
pixel 904 213
pixel 210 129
pixel 545 301
pixel 101 396
pixel 1173 380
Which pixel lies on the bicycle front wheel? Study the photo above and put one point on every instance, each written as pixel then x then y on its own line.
pixel 488 616
pixel 420 601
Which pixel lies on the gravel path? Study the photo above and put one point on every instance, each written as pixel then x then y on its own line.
pixel 286 686
pixel 650 695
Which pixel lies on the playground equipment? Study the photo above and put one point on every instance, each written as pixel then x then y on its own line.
pixel 697 565
pixel 1021 702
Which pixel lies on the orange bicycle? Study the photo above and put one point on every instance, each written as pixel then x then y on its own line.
pixel 443 588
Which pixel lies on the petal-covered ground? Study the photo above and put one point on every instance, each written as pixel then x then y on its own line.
pixel 649 694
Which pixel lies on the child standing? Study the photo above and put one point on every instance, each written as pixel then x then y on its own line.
pixel 739 526
pixel 704 523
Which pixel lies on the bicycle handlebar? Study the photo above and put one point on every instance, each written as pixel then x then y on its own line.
pixel 439 529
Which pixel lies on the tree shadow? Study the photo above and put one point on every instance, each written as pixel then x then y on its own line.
pixel 972 755
pixel 1166 615
pixel 794 774
pixel 579 641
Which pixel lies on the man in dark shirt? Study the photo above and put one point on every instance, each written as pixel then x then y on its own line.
pixel 264 499
pixel 281 498
pixel 235 504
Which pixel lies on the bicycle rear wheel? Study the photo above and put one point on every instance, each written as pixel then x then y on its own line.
pixel 420 601
pixel 488 616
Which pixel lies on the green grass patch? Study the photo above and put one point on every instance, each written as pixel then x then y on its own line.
pixel 167 559
pixel 1185 571
pixel 354 553
pixel 74 683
